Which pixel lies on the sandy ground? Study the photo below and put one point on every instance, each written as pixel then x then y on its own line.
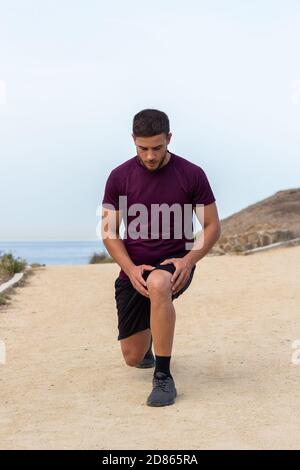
pixel 66 386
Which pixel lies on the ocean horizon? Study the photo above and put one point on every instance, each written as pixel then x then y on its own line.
pixel 53 252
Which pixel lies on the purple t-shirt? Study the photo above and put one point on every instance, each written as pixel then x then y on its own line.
pixel 179 181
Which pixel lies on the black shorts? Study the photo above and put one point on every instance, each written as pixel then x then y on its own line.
pixel 133 308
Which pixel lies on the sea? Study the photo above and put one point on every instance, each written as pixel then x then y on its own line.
pixel 53 252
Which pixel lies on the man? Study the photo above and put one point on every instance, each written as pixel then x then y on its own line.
pixel 156 264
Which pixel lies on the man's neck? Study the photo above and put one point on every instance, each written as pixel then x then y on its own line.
pixel 166 160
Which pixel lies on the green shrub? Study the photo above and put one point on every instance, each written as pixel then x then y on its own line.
pixel 238 249
pixel 11 265
pixel 101 257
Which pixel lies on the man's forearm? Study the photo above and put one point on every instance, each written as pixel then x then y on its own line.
pixel 208 237
pixel 118 252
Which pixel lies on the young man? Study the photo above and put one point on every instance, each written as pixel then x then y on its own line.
pixel 157 265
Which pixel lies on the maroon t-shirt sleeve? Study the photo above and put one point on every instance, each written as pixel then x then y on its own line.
pixel 202 192
pixel 111 192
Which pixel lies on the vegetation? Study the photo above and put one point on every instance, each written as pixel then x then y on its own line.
pixel 10 265
pixel 101 257
pixel 4 298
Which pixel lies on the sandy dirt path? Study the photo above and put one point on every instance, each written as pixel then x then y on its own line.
pixel 66 386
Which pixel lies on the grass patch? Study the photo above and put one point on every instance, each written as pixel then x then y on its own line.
pixel 4 277
pixel 3 299
pixel 11 265
pixel 7 296
pixel 101 257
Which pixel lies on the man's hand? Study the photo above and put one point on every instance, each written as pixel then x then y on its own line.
pixel 181 274
pixel 137 280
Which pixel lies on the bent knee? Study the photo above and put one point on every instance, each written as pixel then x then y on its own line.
pixel 159 283
pixel 133 359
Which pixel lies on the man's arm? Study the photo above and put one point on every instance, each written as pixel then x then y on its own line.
pixel 110 232
pixel 209 220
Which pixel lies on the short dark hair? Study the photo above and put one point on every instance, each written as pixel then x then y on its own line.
pixel 150 122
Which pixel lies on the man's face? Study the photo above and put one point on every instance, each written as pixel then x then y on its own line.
pixel 152 151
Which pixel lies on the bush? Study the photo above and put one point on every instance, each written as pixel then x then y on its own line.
pixel 2 299
pixel 238 249
pixel 11 265
pixel 101 257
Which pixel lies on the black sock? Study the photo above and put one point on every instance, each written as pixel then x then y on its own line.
pixel 163 365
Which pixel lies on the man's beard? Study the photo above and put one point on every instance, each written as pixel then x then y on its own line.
pixel 161 163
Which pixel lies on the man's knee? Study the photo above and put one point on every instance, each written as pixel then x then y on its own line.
pixel 132 354
pixel 159 283
pixel 132 358
pixel 135 347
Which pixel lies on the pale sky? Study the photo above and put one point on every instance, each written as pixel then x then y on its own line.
pixel 74 73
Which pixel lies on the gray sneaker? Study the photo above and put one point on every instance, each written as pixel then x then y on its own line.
pixel 164 391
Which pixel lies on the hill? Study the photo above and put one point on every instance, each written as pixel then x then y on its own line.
pixel 274 219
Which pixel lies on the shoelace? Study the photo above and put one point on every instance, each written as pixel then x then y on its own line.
pixel 162 383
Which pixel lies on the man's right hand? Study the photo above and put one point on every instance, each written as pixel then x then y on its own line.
pixel 135 275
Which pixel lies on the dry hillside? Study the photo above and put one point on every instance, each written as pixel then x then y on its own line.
pixel 274 219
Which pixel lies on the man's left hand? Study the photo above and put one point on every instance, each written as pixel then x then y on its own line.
pixel 182 272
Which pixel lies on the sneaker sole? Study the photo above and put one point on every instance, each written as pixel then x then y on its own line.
pixel 145 365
